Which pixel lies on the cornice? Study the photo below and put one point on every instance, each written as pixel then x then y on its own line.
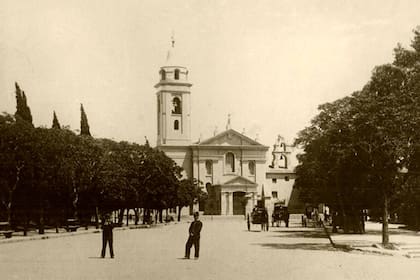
pixel 172 84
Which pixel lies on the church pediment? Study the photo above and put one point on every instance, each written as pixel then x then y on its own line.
pixel 240 181
pixel 230 137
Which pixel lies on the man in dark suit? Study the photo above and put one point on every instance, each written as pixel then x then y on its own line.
pixel 194 237
pixel 107 227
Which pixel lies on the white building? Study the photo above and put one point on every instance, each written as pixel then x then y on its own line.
pixel 232 167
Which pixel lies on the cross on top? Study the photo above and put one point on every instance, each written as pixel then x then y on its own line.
pixel 173 39
pixel 228 122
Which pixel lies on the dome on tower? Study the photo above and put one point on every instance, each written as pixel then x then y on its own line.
pixel 172 57
pixel 173 70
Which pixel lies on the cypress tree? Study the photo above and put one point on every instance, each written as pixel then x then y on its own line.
pixel 147 142
pixel 23 112
pixel 55 123
pixel 84 125
pixel 19 106
pixel 27 110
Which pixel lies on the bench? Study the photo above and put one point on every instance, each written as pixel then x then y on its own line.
pixel 72 228
pixel 5 229
pixel 7 233
pixel 72 225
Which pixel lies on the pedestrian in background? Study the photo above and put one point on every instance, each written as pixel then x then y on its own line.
pixel 107 237
pixel 194 237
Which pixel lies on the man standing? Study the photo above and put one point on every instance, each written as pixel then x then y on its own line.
pixel 194 237
pixel 107 227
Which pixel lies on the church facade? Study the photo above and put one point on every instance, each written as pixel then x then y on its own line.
pixel 231 167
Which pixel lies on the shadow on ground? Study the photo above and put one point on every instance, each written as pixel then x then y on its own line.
pixel 300 234
pixel 299 246
pixel 393 231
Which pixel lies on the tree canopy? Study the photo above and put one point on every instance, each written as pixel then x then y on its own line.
pixel 50 175
pixel 356 147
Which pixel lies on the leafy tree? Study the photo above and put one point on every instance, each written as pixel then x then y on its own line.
pixel 188 191
pixel 409 61
pixel 122 162
pixel 88 165
pixel 159 179
pixel 361 143
pixel 15 159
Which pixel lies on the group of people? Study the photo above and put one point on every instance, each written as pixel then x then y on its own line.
pixel 193 236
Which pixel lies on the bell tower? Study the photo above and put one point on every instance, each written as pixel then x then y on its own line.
pixel 173 103
pixel 280 154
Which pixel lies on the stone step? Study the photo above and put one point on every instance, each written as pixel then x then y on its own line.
pixel 409 247
pixel 413 252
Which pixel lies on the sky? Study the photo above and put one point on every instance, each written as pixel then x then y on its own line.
pixel 269 64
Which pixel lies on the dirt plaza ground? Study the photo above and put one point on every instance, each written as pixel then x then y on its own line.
pixel 228 251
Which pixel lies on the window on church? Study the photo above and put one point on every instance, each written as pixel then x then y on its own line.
pixel 209 167
pixel 251 167
pixel 176 125
pixel 176 106
pixel 230 162
pixel 176 74
pixel 274 194
pixel 162 74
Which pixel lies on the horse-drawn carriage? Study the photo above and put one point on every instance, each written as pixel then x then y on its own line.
pixel 280 213
pixel 259 216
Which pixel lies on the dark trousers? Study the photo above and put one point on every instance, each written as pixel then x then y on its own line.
pixel 107 238
pixel 192 240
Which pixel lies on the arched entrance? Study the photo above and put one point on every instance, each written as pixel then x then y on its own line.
pixel 239 203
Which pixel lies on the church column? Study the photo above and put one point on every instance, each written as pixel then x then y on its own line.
pixel 230 196
pixel 227 203
pixel 223 203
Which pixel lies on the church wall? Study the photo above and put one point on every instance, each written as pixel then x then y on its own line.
pixel 219 172
pixel 281 186
pixel 182 157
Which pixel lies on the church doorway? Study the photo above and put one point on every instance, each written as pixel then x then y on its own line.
pixel 239 203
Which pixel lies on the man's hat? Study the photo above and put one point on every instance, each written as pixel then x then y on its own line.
pixel 196 214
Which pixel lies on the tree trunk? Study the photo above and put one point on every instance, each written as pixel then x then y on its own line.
pixel 136 216
pixel 11 191
pixel 96 217
pixel 25 224
pixel 156 216
pixel 179 213
pixel 146 216
pixel 160 215
pixel 121 216
pixel 385 232
pixel 334 221
pixel 41 221
pixel 344 218
pixel 56 220
pixel 128 211
pixel 9 213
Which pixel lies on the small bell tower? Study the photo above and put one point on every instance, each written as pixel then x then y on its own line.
pixel 173 102
pixel 280 154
